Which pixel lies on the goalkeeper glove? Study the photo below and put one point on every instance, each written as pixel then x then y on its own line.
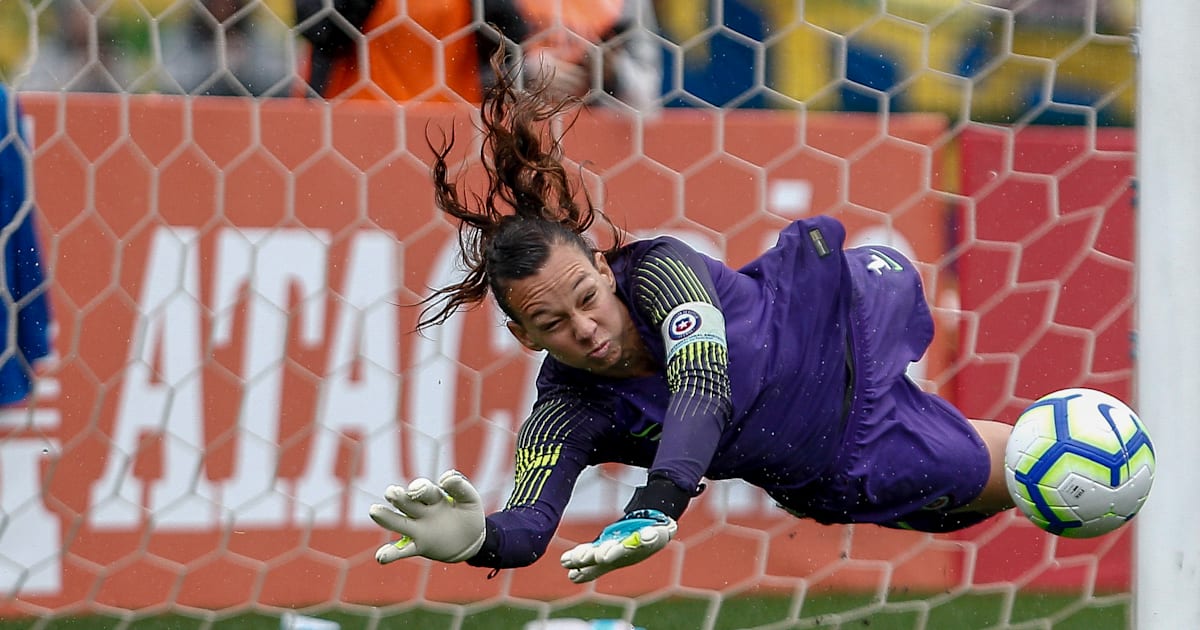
pixel 442 521
pixel 628 541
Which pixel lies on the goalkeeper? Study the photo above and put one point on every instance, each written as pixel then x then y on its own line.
pixel 788 373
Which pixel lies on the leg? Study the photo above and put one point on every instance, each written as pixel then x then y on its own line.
pixel 913 461
pixel 995 497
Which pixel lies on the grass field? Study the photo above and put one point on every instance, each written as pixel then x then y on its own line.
pixel 962 612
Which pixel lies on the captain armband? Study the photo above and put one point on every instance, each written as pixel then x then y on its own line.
pixel 690 323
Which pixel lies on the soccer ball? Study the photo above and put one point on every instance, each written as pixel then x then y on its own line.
pixel 1079 463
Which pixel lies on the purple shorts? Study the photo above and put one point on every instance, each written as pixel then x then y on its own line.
pixel 908 457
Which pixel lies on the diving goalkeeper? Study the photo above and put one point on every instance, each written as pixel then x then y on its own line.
pixel 788 373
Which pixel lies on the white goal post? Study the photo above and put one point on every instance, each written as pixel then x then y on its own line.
pixel 1168 346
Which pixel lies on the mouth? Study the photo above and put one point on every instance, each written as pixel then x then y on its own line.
pixel 600 351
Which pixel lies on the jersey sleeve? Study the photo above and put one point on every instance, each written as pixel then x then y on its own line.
pixel 553 446
pixel 673 289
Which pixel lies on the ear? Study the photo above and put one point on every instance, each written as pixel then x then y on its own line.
pixel 606 271
pixel 522 336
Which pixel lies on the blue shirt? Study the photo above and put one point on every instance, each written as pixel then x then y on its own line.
pixel 26 312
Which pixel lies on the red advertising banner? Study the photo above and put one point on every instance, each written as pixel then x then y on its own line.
pixel 1046 271
pixel 1048 249
pixel 238 379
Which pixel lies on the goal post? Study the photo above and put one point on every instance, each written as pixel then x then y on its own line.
pixel 1168 342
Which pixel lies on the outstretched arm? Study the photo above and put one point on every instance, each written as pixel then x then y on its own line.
pixel 553 446
pixel 673 289
pixel 445 521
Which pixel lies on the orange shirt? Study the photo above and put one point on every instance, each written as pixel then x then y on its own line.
pixel 428 55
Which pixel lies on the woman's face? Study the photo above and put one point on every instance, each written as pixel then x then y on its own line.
pixel 570 309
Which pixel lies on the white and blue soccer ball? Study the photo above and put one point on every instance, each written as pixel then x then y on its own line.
pixel 1079 463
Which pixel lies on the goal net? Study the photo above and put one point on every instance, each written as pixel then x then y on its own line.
pixel 235 379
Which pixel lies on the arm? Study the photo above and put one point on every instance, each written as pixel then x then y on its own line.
pixel 444 521
pixel 673 288
pixel 552 450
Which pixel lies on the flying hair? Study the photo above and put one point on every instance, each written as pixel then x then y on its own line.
pixel 530 201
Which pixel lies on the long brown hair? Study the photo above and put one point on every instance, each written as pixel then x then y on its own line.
pixel 530 202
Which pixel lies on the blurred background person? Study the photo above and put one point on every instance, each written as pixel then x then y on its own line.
pixel 390 49
pixel 211 47
pixel 597 50
pixel 78 51
pixel 227 48
pixel 604 50
pixel 714 52
pixel 24 290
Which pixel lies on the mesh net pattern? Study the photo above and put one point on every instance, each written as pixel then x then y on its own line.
pixel 234 378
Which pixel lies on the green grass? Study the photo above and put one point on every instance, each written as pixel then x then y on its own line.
pixel 974 610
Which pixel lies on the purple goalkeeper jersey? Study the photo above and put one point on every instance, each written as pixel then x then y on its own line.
pixel 784 320
pixel 771 411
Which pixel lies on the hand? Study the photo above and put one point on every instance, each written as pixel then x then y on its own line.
pixel 442 521
pixel 628 541
pixel 562 77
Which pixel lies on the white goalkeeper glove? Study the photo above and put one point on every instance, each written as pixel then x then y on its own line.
pixel 634 538
pixel 442 521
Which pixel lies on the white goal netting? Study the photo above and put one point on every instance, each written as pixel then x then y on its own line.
pixel 233 377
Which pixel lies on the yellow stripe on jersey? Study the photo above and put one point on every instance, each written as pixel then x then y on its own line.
pixel 661 283
pixel 698 367
pixel 692 368
pixel 698 380
pixel 531 480
pixel 673 293
pixel 539 445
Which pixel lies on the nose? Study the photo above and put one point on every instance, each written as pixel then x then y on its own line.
pixel 584 327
